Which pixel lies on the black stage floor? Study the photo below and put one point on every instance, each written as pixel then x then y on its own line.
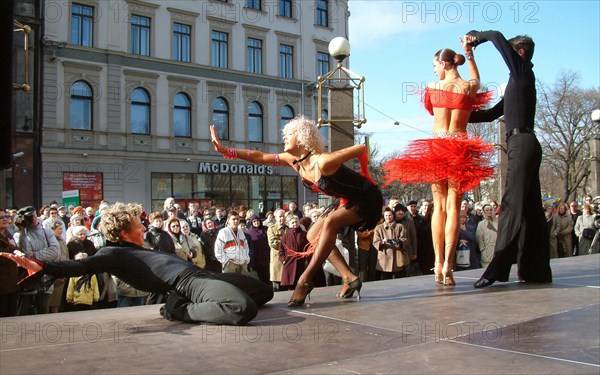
pixel 404 326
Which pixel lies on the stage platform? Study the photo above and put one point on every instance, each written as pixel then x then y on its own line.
pixel 403 326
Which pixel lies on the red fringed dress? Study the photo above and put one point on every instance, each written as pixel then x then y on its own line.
pixel 455 158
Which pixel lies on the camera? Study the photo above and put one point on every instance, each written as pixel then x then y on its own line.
pixel 24 217
pixel 393 242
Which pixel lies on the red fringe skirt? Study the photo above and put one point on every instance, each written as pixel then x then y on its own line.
pixel 454 158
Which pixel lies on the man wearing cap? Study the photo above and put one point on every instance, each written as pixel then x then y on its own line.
pixel 413 209
pixel 62 214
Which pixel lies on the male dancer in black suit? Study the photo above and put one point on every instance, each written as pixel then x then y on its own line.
pixel 522 224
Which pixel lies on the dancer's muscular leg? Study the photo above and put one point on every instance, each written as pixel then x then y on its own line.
pixel 438 226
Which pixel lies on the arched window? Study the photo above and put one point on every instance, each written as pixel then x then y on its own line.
pixel 140 111
pixel 182 115
pixel 255 122
pixel 81 106
pixel 286 114
pixel 220 117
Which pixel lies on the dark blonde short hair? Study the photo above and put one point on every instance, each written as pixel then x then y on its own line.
pixel 117 218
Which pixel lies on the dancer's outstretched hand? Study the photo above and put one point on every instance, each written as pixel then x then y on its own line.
pixel 23 262
pixel 215 140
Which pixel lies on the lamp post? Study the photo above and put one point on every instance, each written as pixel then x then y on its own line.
pixel 595 154
pixel 340 85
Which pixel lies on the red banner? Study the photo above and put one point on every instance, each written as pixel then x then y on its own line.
pixel 89 185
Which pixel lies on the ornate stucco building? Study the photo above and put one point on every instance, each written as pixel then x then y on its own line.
pixel 130 88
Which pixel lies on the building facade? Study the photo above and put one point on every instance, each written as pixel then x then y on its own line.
pixel 131 87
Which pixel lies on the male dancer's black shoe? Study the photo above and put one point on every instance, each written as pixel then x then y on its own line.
pixel 165 314
pixel 483 282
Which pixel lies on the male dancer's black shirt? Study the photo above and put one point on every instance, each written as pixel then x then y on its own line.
pixel 520 93
pixel 144 269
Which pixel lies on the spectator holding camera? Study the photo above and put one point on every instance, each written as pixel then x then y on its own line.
pixel 389 239
pixel 38 243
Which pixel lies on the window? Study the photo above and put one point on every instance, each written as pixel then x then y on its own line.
pixel 286 57
pixel 285 8
pixel 322 13
pixel 182 115
pixel 81 106
pixel 287 115
pixel 82 22
pixel 255 122
pixel 220 118
pixel 322 63
pixel 219 49
pixel 254 55
pixel 257 191
pixel 254 4
pixel 140 35
pixel 182 41
pixel 140 111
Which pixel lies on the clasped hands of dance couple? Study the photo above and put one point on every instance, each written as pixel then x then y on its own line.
pixel 303 151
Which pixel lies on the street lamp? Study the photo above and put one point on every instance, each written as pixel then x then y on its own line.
pixel 341 84
pixel 595 153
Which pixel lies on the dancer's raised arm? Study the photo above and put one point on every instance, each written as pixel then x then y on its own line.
pixel 473 70
pixel 253 156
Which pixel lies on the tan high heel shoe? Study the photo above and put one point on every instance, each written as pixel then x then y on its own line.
pixel 448 275
pixel 353 286
pixel 437 272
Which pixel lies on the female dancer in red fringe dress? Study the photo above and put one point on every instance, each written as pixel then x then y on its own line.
pixel 360 198
pixel 450 161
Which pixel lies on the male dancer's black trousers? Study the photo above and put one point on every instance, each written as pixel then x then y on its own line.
pixel 224 298
pixel 522 223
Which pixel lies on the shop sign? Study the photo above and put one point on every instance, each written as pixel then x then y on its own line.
pixel 227 168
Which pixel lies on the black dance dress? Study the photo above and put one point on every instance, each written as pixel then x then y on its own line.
pixel 354 190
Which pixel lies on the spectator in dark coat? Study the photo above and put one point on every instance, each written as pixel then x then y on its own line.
pixel 156 238
pixel 208 238
pixel 261 257
pixel 80 243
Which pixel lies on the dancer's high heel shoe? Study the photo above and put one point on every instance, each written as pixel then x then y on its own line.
pixel 448 275
pixel 297 302
pixel 353 286
pixel 437 272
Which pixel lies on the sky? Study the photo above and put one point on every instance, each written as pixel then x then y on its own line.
pixel 393 43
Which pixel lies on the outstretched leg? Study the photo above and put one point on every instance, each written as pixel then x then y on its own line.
pixel 324 231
